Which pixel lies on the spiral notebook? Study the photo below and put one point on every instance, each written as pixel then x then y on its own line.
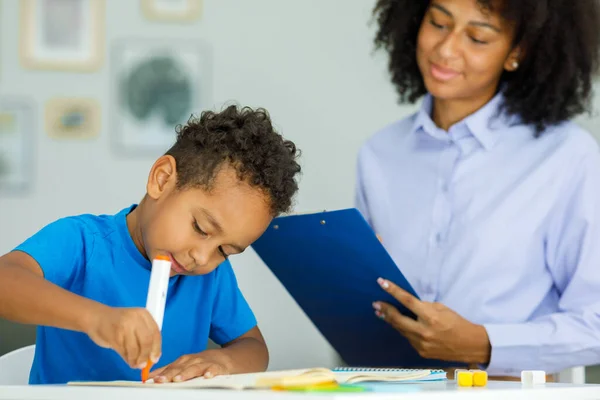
pixel 403 375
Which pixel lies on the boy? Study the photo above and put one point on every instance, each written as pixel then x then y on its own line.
pixel 84 279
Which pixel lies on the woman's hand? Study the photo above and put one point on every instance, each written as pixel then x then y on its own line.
pixel 438 333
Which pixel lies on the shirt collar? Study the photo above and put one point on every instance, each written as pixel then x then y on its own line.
pixel 128 243
pixel 423 119
pixel 485 124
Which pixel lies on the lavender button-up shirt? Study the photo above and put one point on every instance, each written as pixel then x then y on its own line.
pixel 499 226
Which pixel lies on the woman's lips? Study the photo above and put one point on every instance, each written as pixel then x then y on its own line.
pixel 442 74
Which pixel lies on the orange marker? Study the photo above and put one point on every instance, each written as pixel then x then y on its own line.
pixel 157 296
pixel 146 371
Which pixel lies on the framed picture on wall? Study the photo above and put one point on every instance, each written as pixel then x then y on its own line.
pixel 72 118
pixel 62 34
pixel 16 145
pixel 172 10
pixel 156 85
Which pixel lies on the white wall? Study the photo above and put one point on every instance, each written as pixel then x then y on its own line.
pixel 308 62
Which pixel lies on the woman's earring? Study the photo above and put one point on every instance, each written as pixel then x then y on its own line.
pixel 515 64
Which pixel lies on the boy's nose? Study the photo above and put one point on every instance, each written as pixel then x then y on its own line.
pixel 200 257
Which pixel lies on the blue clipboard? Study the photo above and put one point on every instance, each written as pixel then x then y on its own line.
pixel 329 263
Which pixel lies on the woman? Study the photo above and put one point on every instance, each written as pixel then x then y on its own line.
pixel 488 198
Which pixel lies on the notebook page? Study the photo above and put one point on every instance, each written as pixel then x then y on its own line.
pixel 234 382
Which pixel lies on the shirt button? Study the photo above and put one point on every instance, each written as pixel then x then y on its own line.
pixel 427 293
pixel 438 237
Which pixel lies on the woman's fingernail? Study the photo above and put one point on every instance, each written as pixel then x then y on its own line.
pixel 208 374
pixel 384 284
pixel 377 306
pixel 380 315
pixel 159 379
pixel 141 366
pixel 177 378
pixel 155 359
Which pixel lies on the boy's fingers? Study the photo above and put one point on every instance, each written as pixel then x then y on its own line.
pixel 133 351
pixel 185 370
pixel 156 348
pixel 123 351
pixel 148 339
pixel 127 352
pixel 153 339
pixel 213 370
pixel 169 373
pixel 157 372
pixel 203 369
pixel 144 350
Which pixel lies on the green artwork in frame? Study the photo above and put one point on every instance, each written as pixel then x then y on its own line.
pixel 156 85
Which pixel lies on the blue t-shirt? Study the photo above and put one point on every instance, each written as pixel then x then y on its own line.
pixel 95 257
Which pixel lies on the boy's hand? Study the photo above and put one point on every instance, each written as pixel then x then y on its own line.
pixel 131 332
pixel 208 363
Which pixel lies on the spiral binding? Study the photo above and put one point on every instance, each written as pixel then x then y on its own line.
pixel 365 369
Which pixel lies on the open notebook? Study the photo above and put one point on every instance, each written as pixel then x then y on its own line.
pixel 288 378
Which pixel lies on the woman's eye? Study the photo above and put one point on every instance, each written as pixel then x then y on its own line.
pixel 478 41
pixel 435 24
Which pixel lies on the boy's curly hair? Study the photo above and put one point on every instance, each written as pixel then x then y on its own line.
pixel 554 80
pixel 244 139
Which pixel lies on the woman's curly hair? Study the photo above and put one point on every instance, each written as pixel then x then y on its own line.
pixel 561 44
pixel 244 139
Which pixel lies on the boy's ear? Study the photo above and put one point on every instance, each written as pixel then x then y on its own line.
pixel 162 178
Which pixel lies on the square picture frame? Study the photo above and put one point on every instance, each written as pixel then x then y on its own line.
pixel 72 118
pixel 172 10
pixel 62 34
pixel 156 85
pixel 17 145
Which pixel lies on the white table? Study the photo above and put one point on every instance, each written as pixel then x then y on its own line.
pixel 426 391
